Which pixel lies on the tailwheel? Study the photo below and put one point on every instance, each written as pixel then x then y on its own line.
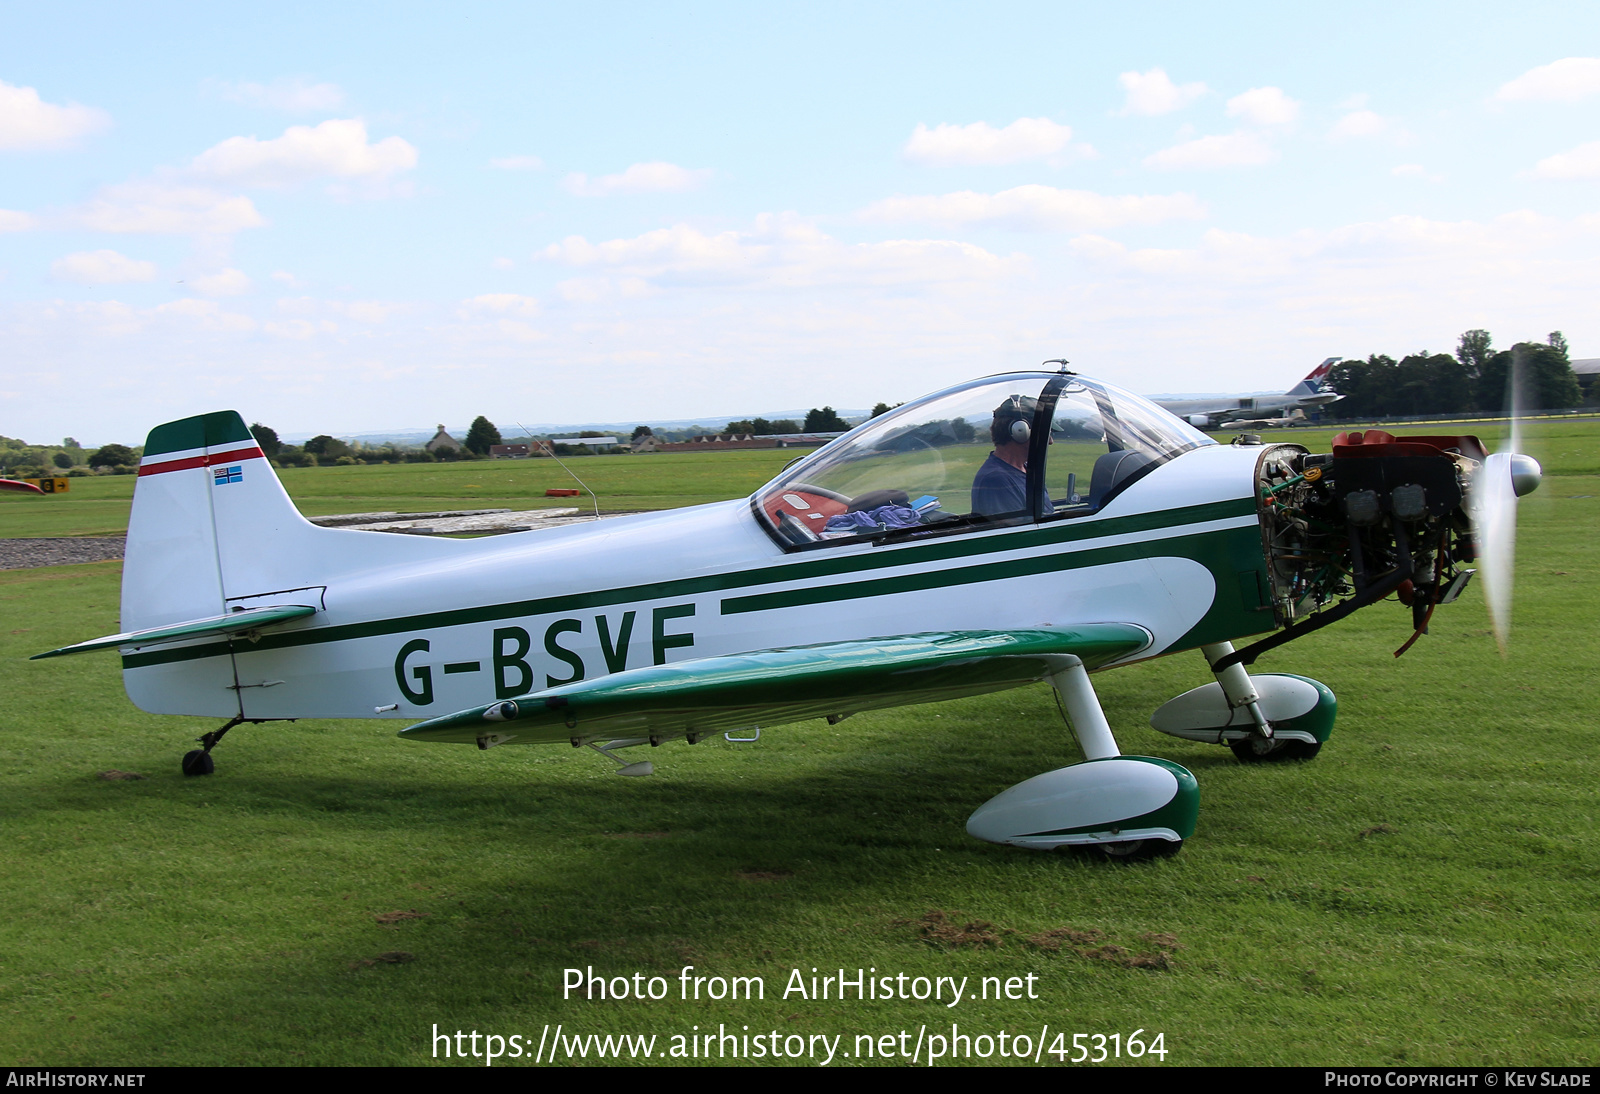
pixel 1260 750
pixel 198 762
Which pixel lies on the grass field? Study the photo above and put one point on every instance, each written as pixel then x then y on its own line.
pixel 1422 893
pixel 99 505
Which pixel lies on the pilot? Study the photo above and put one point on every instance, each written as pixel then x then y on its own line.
pixel 1001 485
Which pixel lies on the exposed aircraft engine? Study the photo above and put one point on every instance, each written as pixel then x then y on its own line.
pixel 1379 516
pixel 1199 421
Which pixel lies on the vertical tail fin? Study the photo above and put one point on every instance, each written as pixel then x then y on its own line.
pixel 197 476
pixel 1314 379
pixel 212 531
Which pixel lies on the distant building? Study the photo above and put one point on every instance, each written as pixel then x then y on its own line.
pixel 509 452
pixel 719 441
pixel 442 439
pixel 1587 369
pixel 547 448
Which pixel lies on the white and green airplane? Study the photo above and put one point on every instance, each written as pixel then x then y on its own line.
pixel 1031 526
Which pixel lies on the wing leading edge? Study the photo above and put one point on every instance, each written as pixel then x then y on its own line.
pixel 772 687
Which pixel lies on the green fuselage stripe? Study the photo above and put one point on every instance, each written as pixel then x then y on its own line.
pixel 1180 546
pixel 910 555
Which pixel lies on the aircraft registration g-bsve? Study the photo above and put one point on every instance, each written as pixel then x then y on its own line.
pixel 1312 393
pixel 1025 527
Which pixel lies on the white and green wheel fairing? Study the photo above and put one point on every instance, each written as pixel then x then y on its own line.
pixel 1113 800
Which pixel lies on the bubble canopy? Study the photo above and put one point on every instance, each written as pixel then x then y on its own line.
pixel 1008 449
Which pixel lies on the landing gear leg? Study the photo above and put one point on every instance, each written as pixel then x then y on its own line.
pixel 1262 746
pixel 643 767
pixel 199 761
pixel 1082 708
pixel 1088 721
pixel 1237 687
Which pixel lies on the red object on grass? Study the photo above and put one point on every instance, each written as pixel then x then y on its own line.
pixel 561 493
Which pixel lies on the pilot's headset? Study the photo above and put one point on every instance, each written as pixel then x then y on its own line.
pixel 1013 420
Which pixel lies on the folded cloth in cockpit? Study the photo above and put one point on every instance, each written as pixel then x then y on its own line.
pixel 885 516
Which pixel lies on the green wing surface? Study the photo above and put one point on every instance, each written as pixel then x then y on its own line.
pixel 250 619
pixel 772 687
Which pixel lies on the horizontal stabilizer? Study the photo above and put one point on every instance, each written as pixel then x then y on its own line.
pixel 772 687
pixel 250 619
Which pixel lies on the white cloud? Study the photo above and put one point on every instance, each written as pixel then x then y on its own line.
pixel 1363 123
pixel 1264 106
pixel 101 268
pixel 287 278
pixel 500 303
pixel 166 207
pixel 370 312
pixel 205 314
pixel 98 317
pixel 640 178
pixel 1151 93
pixel 980 143
pixel 297 305
pixel 13 221
pixel 296 94
pixel 229 282
pixel 502 317
pixel 517 163
pixel 1464 253
pixel 1566 81
pixel 337 148
pixel 1583 162
pixel 298 329
pixel 1038 208
pixel 592 290
pixel 1206 153
pixel 783 251
pixel 29 123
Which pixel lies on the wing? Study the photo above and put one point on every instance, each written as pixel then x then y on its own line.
pixel 250 619
pixel 772 687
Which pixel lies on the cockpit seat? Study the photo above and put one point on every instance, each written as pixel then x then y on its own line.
pixel 877 499
pixel 810 505
pixel 1111 471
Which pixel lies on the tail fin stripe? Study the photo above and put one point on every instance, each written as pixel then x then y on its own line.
pixel 184 464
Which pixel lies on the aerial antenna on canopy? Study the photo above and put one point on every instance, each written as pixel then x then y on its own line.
pixel 1063 362
pixel 592 495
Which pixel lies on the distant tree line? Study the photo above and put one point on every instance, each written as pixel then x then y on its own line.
pixel 326 450
pixel 21 460
pixel 761 427
pixel 1474 380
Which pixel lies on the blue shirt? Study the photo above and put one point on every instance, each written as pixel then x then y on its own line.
pixel 999 489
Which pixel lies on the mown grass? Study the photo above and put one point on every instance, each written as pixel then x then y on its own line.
pixel 665 480
pixel 99 505
pixel 1422 893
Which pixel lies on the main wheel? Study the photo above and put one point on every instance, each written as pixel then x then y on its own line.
pixel 1259 750
pixel 198 762
pixel 1135 850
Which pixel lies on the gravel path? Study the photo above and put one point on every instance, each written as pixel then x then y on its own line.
pixel 23 554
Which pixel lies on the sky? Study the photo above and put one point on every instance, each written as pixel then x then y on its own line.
pixel 359 217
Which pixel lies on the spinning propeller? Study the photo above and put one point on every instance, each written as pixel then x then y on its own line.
pixel 1504 477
